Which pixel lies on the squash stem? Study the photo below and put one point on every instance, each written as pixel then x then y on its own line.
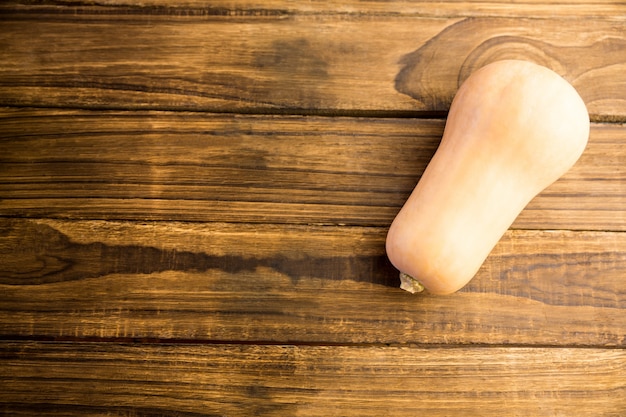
pixel 410 284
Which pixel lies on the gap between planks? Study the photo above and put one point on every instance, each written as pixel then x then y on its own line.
pixel 283 8
pixel 138 341
pixel 286 112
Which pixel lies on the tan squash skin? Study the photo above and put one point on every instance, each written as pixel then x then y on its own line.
pixel 514 128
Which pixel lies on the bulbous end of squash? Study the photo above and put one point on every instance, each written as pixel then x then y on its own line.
pixel 514 128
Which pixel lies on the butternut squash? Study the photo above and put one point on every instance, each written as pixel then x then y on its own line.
pixel 514 127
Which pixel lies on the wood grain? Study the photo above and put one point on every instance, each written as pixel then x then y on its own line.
pixel 80 379
pixel 168 60
pixel 194 199
pixel 300 170
pixel 247 283
pixel 425 77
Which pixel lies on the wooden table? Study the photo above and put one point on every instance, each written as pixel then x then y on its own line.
pixel 194 200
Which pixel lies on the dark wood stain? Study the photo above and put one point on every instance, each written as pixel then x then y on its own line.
pixel 43 255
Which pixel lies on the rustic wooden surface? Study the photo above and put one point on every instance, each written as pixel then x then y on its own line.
pixel 194 200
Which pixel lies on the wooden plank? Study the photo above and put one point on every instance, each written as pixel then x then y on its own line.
pixel 77 379
pixel 279 169
pixel 307 63
pixel 286 284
